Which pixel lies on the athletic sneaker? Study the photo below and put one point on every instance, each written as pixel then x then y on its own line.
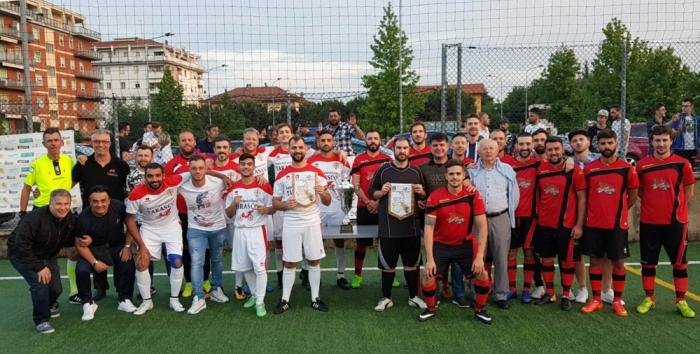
pixel 44 328
pixel 608 296
pixel 646 305
pixel 343 283
pixel 547 299
pixel 146 305
pixel 538 293
pixel 250 302
pixel 685 310
pixel 592 306
pixel 89 309
pixel 483 316
pixel 426 315
pixel 126 306
pixel 219 296
pixel 356 281
pixel 206 286
pixel 75 300
pixel 281 308
pixel 53 310
pixel 461 302
pixel 581 296
pixel 176 305
pixel 187 291
pixel 319 305
pixel 525 297
pixel 396 283
pixel 417 302
pixel 565 304
pixel 384 304
pixel 619 308
pixel 197 305
pixel 239 294
pixel 512 295
pixel 260 310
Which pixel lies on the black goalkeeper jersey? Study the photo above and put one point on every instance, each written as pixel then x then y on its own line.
pixel 390 226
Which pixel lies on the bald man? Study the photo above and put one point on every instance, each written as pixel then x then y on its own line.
pixel 498 185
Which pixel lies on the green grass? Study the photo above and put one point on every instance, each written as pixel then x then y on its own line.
pixel 351 325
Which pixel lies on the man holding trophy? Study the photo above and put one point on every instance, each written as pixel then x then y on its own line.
pixel 296 190
pixel 337 172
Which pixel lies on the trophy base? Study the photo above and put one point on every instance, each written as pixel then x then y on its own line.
pixel 347 229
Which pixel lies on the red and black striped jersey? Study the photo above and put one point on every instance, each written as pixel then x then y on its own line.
pixel 454 214
pixel 662 188
pixel 607 193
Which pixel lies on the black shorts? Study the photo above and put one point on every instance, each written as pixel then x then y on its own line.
pixel 461 255
pixel 551 242
pixel 521 235
pixel 364 217
pixel 672 237
pixel 602 243
pixel 390 248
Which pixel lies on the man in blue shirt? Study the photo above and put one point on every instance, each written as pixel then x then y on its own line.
pixel 685 126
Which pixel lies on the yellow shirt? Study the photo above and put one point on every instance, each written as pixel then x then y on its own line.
pixel 44 176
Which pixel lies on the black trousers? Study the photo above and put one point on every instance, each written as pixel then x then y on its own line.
pixel 124 276
pixel 43 295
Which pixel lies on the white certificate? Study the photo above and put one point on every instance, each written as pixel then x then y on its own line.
pixel 303 185
pixel 401 201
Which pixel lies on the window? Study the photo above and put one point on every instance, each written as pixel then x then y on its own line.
pixel 40 102
pixel 137 54
pixel 61 41
pixel 49 48
pixel 107 70
pixel 37 57
pixel 83 106
pixel 20 78
pixel 72 64
pixel 109 85
pixel 125 54
pixel 121 70
pixel 65 106
pixel 70 42
pixel 138 85
pixel 39 79
pixel 73 85
pixel 52 92
pixel 80 45
pixel 52 71
pixel 82 87
pixel 64 83
pixel 36 34
pixel 122 85
pixel 82 67
pixel 136 69
pixel 54 114
pixel 75 106
pixel 62 61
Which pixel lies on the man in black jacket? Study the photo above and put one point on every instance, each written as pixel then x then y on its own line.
pixel 33 247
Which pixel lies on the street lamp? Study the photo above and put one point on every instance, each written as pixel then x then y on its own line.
pixel 273 101
pixel 208 87
pixel 527 83
pixel 148 70
pixel 500 89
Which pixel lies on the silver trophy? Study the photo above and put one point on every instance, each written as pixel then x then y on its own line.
pixel 347 194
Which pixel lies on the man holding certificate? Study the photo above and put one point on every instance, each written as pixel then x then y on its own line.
pixel 397 185
pixel 295 192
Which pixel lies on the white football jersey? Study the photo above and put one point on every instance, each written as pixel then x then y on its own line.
pixel 299 216
pixel 158 208
pixel 205 204
pixel 335 171
pixel 252 195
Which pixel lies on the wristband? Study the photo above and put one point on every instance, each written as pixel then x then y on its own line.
pixel 127 246
pixel 95 262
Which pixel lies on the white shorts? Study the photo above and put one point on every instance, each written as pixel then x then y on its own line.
pixel 332 218
pixel 172 239
pixel 228 240
pixel 308 237
pixel 249 249
pixel 277 225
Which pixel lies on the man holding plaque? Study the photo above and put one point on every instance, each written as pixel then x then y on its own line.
pixel 397 185
pixel 296 190
pixel 337 171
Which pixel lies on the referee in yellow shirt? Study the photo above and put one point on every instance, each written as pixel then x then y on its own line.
pixel 48 173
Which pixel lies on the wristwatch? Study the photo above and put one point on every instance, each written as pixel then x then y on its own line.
pixel 95 262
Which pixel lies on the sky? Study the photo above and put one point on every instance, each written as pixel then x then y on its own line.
pixel 321 47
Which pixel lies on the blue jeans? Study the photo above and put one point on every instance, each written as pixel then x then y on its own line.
pixel 457 281
pixel 197 241
pixel 43 295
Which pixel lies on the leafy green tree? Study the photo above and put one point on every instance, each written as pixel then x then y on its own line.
pixel 167 108
pixel 392 62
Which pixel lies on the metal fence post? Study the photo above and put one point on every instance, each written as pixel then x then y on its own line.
pixel 443 89
pixel 458 110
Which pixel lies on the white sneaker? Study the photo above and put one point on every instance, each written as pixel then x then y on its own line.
pixel 197 306
pixel 581 296
pixel 145 306
pixel 384 304
pixel 417 302
pixel 126 306
pixel 538 293
pixel 609 296
pixel 89 311
pixel 218 296
pixel 176 305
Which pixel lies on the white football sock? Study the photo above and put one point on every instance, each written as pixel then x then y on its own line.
pixel 314 280
pixel 340 261
pixel 143 282
pixel 176 275
pixel 288 276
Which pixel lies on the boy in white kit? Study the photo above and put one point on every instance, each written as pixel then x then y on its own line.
pixel 302 222
pixel 248 204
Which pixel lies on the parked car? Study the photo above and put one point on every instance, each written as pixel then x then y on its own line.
pixel 638 146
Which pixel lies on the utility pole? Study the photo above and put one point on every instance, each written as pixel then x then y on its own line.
pixel 24 37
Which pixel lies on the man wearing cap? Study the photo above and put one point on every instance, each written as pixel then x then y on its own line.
pixel 601 123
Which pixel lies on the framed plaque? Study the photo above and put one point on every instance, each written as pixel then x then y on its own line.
pixel 303 185
pixel 401 203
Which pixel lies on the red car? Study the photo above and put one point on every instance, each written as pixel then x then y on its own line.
pixel 638 146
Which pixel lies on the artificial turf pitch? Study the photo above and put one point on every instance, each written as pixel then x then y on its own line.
pixel 352 325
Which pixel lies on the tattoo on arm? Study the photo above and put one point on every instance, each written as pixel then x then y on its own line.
pixel 429 220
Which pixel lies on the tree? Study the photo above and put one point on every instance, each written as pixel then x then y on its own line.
pixel 559 88
pixel 167 108
pixel 433 105
pixel 392 61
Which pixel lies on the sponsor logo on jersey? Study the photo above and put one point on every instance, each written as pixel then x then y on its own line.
pixel 660 184
pixel 552 190
pixel 605 188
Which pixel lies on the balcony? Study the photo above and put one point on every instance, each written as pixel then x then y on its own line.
pixel 9 84
pixel 92 95
pixel 9 35
pixel 13 109
pixel 94 75
pixel 88 54
pixel 81 31
pixel 85 114
pixel 11 59
pixel 9 8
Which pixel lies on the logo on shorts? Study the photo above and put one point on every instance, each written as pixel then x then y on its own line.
pixel 660 184
pixel 552 190
pixel 605 188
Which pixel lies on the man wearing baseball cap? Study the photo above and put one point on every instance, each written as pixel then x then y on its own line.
pixel 601 123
